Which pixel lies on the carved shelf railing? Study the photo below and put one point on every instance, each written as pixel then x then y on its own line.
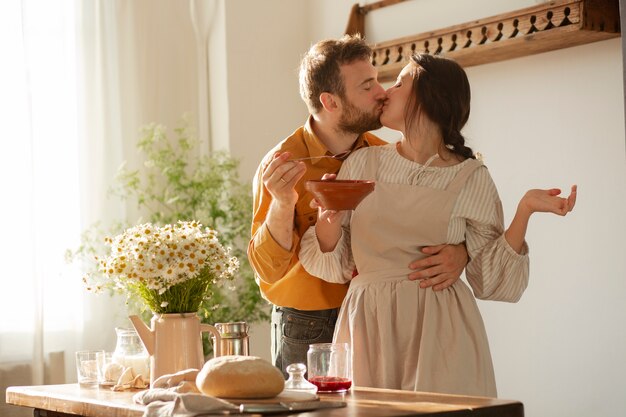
pixel 545 27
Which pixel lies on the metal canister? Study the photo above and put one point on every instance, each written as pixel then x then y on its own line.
pixel 234 339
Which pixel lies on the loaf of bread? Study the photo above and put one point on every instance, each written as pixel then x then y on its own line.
pixel 240 377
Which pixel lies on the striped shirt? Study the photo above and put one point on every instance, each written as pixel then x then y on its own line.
pixel 495 270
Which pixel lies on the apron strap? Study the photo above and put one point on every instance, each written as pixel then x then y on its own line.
pixel 464 173
pixel 371 164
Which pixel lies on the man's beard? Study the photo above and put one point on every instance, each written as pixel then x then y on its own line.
pixel 356 121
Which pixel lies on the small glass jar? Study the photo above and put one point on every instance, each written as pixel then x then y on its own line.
pixel 131 353
pixel 330 367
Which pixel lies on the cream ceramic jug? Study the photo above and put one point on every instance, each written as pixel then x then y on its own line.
pixel 174 341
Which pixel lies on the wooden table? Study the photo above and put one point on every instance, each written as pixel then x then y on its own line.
pixel 71 399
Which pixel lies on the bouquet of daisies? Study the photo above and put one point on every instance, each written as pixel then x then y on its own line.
pixel 172 268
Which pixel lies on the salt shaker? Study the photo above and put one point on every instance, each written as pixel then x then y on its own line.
pixel 296 381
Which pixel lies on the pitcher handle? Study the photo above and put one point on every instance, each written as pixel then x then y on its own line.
pixel 216 335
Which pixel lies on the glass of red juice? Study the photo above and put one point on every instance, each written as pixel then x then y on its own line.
pixel 329 367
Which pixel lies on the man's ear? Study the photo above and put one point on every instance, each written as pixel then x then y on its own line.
pixel 329 101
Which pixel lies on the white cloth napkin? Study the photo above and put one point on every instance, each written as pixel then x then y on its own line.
pixel 162 402
pixel 176 395
pixel 182 381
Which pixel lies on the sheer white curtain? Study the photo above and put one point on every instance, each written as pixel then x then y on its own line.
pixel 77 81
pixel 60 148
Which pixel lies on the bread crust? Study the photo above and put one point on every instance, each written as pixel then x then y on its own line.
pixel 240 377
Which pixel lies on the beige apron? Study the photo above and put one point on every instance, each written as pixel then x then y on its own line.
pixel 402 336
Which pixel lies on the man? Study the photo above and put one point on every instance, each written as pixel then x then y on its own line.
pixel 339 86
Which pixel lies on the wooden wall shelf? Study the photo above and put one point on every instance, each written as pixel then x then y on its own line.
pixel 545 27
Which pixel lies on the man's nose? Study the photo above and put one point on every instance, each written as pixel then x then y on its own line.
pixel 381 94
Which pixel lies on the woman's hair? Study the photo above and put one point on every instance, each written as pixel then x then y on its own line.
pixel 320 67
pixel 442 92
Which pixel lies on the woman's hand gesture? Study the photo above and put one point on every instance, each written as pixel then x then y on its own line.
pixel 548 201
pixel 537 201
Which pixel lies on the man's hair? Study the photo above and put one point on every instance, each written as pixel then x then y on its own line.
pixel 320 67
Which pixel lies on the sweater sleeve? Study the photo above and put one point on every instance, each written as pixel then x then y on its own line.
pixel 269 260
pixel 338 265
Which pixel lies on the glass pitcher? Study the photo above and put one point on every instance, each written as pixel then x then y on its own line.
pixel 131 353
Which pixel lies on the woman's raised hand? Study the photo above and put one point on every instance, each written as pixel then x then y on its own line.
pixel 548 201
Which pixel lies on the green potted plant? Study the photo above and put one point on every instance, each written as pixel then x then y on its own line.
pixel 175 184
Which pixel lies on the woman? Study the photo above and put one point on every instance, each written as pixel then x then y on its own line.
pixel 428 185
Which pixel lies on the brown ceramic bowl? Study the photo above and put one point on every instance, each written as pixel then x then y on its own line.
pixel 339 194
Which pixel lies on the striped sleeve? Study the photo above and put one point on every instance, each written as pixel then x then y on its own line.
pixel 336 266
pixel 495 271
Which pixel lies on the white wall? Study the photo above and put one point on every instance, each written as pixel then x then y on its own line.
pixel 551 120
pixel 264 43
pixel 546 120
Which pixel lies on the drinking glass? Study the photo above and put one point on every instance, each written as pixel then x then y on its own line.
pixel 109 371
pixel 329 367
pixel 87 367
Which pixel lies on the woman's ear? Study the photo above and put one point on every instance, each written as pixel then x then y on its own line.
pixel 329 102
